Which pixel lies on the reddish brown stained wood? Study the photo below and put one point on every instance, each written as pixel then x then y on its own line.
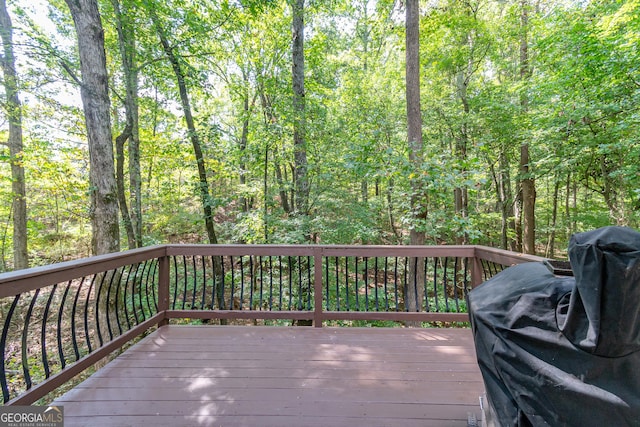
pixel 287 376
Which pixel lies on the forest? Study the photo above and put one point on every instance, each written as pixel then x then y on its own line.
pixel 128 123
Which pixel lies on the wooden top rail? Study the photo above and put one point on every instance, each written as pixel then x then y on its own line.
pixel 15 282
pixel 503 257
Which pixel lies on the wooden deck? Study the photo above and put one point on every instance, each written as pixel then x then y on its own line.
pixel 284 376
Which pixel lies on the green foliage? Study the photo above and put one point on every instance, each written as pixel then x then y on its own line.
pixel 580 121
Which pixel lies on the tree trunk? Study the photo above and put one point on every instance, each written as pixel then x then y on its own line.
pixel 301 179
pixel 13 108
pixel 269 119
pixel 551 247
pixel 132 221
pixel 461 193
pixel 95 100
pixel 414 292
pixel 284 198
pixel 527 182
pixel 506 201
pixel 122 199
pixel 244 138
pixel 299 121
pixel 193 133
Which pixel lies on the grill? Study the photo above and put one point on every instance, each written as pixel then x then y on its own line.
pixel 560 345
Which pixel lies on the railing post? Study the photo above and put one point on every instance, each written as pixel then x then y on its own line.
pixel 163 288
pixel 476 270
pixel 317 287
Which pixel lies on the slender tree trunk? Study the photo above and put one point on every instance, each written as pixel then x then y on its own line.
pixel 461 193
pixel 299 121
pixel 266 192
pixel 527 182
pixel 364 185
pixel 414 292
pixel 390 209
pixel 284 198
pixel 95 100
pixel 506 200
pixel 551 247
pixel 122 199
pixel 517 215
pixel 269 119
pixel 567 205
pixel 132 221
pixel 193 133
pixel 13 108
pixel 244 138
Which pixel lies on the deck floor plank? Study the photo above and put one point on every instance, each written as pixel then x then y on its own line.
pixel 284 376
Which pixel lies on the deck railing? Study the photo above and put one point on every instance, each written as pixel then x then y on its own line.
pixel 60 319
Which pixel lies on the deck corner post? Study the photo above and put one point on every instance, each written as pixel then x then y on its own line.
pixel 163 289
pixel 476 269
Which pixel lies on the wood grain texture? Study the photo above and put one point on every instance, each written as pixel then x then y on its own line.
pixel 269 376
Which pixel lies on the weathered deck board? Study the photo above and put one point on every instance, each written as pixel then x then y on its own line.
pixel 268 376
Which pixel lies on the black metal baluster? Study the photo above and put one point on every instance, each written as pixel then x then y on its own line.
pixel 445 284
pixel 375 282
pixel 261 280
pixel 176 283
pixel 144 283
pixel 290 281
pixel 436 260
pixel 326 282
pixel 3 346
pixel 24 344
pixel 117 305
pixel 251 282
pixel 204 283
pixel 346 281
pixel 195 281
pixel 108 304
pixel 425 284
pixel 134 292
pixel 405 282
pixel 43 332
pixel 309 287
pixel 467 287
pixel 415 284
pixel 221 290
pixel 366 282
pixel 86 313
pixel 280 268
pixel 300 289
pixel 233 283
pixel 152 276
pixel 338 285
pixel 483 263
pixel 74 338
pixel 270 283
pixel 241 282
pixel 386 278
pixel 395 283
pixel 221 302
pixel 455 283
pixel 214 291
pixel 63 362
pixel 124 294
pixel 184 281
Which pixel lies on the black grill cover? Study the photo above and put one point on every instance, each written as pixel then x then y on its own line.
pixel 564 351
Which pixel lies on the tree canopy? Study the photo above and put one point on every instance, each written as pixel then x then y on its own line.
pixel 209 126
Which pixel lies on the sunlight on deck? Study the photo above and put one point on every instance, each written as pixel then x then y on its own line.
pixel 284 376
